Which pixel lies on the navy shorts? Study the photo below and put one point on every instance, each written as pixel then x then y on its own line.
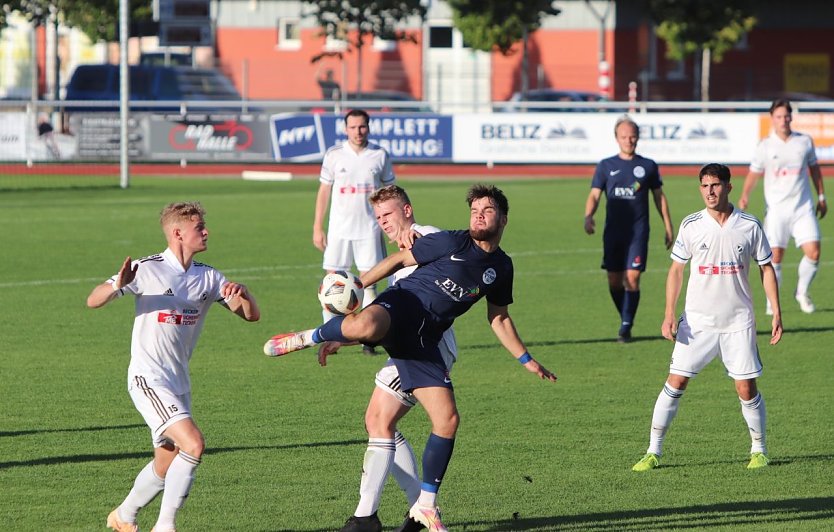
pixel 622 252
pixel 412 340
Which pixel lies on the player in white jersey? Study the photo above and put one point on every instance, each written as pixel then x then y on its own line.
pixel 172 294
pixel 719 242
pixel 350 173
pixel 389 403
pixel 787 160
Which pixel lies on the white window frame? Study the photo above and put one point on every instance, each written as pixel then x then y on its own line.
pixel 384 45
pixel 284 41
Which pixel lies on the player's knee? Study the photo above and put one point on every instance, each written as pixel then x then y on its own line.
pixel 447 426
pixel 194 445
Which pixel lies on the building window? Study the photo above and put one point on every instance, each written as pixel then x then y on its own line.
pixel 384 45
pixel 440 37
pixel 289 34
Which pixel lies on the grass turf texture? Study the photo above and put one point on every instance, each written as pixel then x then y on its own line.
pixel 285 437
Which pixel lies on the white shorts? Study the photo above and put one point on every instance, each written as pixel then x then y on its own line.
pixel 695 349
pixel 341 254
pixel 159 407
pixel 389 379
pixel 801 224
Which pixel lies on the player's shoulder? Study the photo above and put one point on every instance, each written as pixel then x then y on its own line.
pixel 157 257
pixel 425 229
pixel 747 218
pixel 693 218
pixel 202 266
pixel 334 150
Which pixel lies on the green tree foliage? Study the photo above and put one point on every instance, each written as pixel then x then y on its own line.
pixel 688 26
pixel 98 19
pixel 490 24
pixel 341 19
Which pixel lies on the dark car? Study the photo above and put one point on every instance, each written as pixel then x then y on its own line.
pixel 150 84
pixel 552 97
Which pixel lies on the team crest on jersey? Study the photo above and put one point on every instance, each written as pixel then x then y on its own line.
pixel 203 296
pixel 639 172
pixel 740 249
pixel 489 276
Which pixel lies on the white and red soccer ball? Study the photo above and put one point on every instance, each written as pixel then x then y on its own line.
pixel 340 293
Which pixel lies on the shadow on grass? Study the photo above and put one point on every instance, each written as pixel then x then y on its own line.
pixel 29 432
pixel 634 339
pixel 766 513
pixel 104 457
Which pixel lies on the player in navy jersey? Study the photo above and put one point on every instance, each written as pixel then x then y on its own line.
pixel 456 269
pixel 626 179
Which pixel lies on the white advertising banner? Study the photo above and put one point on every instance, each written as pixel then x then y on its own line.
pixel 12 136
pixel 576 138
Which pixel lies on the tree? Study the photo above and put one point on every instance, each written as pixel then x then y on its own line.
pixel 343 19
pixel 490 24
pixel 487 25
pixel 98 19
pixel 710 26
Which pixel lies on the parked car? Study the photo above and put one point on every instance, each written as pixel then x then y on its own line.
pixel 150 84
pixel 550 96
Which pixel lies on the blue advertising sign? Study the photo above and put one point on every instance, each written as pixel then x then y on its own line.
pixel 297 137
pixel 406 136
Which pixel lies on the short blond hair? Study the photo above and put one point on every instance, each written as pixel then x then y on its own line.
pixel 389 192
pixel 179 211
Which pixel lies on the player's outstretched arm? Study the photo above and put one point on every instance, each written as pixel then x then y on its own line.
pixel 107 292
pixel 240 300
pixel 504 328
pixel 387 266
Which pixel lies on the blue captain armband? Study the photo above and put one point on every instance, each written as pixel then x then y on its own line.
pixel 525 358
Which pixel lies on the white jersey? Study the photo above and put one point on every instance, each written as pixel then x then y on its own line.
pixel 448 334
pixel 354 177
pixel 785 167
pixel 171 306
pixel 718 294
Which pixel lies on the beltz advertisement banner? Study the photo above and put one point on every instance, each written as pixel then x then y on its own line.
pixel 406 136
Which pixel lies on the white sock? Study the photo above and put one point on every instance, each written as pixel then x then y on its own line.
pixel 326 315
pixel 807 272
pixel 404 469
pixel 377 463
pixel 777 269
pixel 146 486
pixel 178 482
pixel 427 498
pixel 665 409
pixel 754 414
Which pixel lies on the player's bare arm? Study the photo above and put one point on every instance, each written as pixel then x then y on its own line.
pixel 504 329
pixel 387 266
pixel 816 177
pixel 107 292
pixel 674 281
pixel 239 300
pixel 662 205
pixel 591 205
pixel 322 201
pixel 771 289
pixel 749 184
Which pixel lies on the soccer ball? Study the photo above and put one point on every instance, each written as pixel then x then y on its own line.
pixel 340 293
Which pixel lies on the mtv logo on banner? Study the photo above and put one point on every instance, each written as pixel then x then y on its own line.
pixel 297 137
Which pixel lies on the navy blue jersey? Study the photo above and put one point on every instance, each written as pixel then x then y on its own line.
pixel 454 273
pixel 626 185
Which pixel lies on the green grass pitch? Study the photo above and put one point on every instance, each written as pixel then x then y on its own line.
pixel 285 437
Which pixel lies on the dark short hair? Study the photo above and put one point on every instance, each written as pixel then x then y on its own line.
pixel 389 192
pixel 721 171
pixel 481 190
pixel 781 102
pixel 358 112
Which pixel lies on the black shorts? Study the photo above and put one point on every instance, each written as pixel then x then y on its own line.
pixel 624 252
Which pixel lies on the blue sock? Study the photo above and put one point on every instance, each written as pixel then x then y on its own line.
pixel 630 303
pixel 332 330
pixel 436 459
